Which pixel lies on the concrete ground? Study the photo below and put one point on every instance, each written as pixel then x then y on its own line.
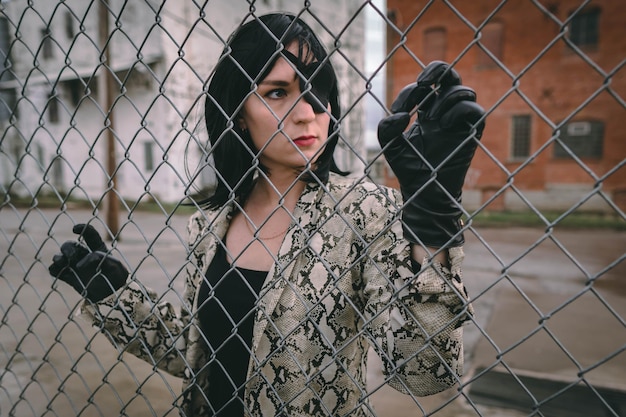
pixel 550 306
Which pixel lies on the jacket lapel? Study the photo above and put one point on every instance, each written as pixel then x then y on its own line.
pixel 295 241
pixel 214 225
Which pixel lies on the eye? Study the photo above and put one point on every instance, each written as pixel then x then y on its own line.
pixel 276 93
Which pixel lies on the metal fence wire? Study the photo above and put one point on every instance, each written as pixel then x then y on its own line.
pixel 101 107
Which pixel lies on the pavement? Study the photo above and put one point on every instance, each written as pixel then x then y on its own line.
pixel 550 321
pixel 553 337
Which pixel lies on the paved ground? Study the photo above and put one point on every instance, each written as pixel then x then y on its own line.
pixel 535 315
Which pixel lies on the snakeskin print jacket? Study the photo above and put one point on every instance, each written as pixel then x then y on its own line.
pixel 342 282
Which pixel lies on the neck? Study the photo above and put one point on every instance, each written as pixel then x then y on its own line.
pixel 270 191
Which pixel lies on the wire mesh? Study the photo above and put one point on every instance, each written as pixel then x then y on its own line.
pixel 101 112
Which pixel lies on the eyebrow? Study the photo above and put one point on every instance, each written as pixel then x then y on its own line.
pixel 280 82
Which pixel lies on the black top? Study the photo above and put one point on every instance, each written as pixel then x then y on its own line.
pixel 226 312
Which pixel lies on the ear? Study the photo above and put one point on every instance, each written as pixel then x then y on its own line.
pixel 242 123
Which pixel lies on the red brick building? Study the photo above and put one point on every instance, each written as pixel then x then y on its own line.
pixel 553 79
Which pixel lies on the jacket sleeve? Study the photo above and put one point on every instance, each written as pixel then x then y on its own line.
pixel 137 321
pixel 414 321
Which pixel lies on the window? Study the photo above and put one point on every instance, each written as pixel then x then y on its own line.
pixel 75 89
pixel 148 156
pixel 78 89
pixel 39 152
pixel 70 30
pixel 58 180
pixel 435 40
pixel 8 109
pixel 520 143
pixel 46 43
pixel 5 45
pixel 582 138
pixel 492 39
pixel 53 109
pixel 8 96
pixel 584 27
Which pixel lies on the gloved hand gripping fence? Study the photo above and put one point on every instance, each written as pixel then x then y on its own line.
pixel 431 159
pixel 88 269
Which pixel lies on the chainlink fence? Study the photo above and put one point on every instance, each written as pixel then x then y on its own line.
pixel 101 114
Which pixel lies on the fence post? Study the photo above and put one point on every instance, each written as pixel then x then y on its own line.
pixel 105 84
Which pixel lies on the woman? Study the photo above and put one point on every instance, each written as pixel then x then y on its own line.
pixel 294 270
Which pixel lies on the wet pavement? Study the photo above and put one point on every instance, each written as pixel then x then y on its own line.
pixel 548 306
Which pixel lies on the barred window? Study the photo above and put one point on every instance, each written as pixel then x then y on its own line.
pixel 582 138
pixel 520 136
pixel 584 28
pixel 492 39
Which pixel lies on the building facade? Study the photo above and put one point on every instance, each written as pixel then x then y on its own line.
pixel 55 118
pixel 553 81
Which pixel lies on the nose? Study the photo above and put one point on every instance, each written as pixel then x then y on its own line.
pixel 303 111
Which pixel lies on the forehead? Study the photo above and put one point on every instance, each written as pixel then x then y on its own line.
pixel 281 71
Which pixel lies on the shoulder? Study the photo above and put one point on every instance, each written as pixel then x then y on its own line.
pixel 198 222
pixel 364 193
pixel 203 221
pixel 366 207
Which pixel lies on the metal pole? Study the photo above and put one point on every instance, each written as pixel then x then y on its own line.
pixel 106 88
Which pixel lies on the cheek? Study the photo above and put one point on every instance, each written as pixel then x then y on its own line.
pixel 325 122
pixel 260 123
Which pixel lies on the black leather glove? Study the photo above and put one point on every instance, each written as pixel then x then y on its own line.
pixel 431 159
pixel 89 269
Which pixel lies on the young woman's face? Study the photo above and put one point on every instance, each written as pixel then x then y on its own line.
pixel 282 124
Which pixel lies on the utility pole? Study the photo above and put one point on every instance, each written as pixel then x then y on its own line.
pixel 105 84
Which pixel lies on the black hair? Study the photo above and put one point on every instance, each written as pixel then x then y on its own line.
pixel 248 57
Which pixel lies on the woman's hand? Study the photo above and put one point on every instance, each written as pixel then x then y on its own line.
pixel 431 159
pixel 88 269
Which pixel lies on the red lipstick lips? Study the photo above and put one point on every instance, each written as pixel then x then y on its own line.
pixel 304 141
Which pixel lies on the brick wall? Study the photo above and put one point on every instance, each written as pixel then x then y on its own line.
pixel 541 76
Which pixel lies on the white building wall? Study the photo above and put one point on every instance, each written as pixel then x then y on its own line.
pixel 74 138
pixel 164 62
pixel 190 68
